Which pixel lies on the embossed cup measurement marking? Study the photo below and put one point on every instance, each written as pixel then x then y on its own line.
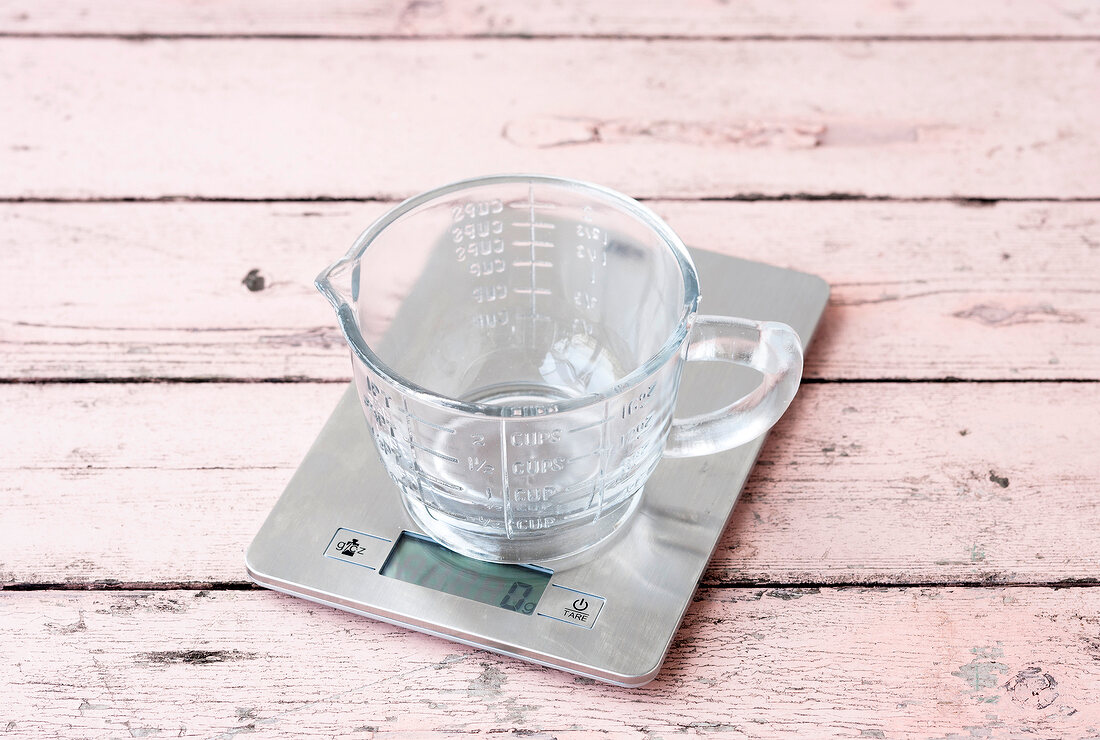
pixel 533 243
pixel 527 464
pixel 531 202
pixel 529 440
pixel 425 422
pixel 413 456
pixel 509 529
pixel 480 245
pixel 437 453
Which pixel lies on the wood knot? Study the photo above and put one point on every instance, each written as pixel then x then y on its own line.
pixel 1033 687
pixel 254 281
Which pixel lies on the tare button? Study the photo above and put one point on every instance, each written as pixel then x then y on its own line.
pixel 570 606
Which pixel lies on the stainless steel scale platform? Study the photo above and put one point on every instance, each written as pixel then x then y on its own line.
pixel 340 536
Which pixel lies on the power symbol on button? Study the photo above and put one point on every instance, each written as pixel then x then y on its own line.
pixel 571 606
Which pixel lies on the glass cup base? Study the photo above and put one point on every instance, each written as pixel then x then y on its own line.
pixel 522 548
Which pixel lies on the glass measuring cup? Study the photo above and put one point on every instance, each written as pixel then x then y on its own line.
pixel 517 343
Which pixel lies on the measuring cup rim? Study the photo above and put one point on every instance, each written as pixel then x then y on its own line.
pixel 350 325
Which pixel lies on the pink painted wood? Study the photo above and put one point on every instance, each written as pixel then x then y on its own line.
pixel 920 290
pixel 308 119
pixel 911 662
pixel 884 483
pixel 618 18
pixel 909 483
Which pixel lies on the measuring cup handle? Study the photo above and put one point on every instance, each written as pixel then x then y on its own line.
pixel 768 347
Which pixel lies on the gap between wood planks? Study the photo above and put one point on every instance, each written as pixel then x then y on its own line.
pixel 124 380
pixel 794 589
pixel 959 200
pixel 519 36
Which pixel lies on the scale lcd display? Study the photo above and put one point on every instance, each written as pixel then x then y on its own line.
pixel 422 561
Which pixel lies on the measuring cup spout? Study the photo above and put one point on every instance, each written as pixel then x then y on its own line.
pixel 339 283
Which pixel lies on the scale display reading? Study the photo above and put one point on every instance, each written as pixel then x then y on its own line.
pixel 426 563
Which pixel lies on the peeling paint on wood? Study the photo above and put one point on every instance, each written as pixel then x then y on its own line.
pixel 855 484
pixel 930 119
pixel 908 282
pixel 692 18
pixel 947 662
pixel 195 657
pixel 551 131
pixel 1000 315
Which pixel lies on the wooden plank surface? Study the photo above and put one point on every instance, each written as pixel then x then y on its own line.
pixel 309 119
pixel 863 483
pixel 908 490
pixel 930 663
pixel 619 18
pixel 920 290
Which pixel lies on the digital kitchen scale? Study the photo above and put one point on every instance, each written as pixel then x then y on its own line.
pixel 340 536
